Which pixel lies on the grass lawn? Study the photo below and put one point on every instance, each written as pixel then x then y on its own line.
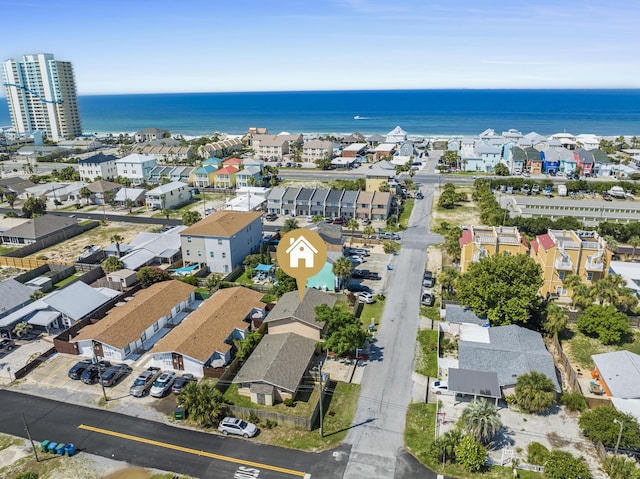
pixel 337 421
pixel 245 278
pixel 6 249
pixel 579 347
pixel 419 435
pixel 431 312
pixel 65 281
pixel 373 310
pixel 303 408
pixel 427 361
pixel 406 212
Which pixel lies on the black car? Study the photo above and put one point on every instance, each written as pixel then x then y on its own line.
pixel 113 374
pixel 78 368
pixel 91 375
pixel 358 288
pixel 271 217
pixel 181 382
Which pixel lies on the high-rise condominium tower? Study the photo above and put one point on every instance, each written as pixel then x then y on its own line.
pixel 42 95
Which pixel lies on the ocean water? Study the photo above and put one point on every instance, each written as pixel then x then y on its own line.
pixel 419 112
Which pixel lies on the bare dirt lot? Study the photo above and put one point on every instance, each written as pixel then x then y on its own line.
pixel 467 213
pixel 69 250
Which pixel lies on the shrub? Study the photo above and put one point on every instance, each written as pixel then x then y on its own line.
pixel 190 279
pixel 28 475
pixel 269 424
pixel 574 401
pixel 470 454
pixel 254 418
pixel 604 322
pixel 563 465
pixel 288 402
pixel 537 454
pixel 598 424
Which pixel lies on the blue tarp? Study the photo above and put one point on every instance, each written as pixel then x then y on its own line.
pixel 263 267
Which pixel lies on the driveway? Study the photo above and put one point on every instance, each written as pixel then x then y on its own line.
pixel 19 356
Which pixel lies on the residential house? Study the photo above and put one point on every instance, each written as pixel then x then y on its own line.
pixel 374 140
pixel 557 160
pixel 303 202
pixel 341 162
pixel 222 240
pixel 534 160
pixel 274 147
pixel 68 192
pixel 318 201
pixel 561 253
pixel 354 150
pixel 159 174
pixel 100 165
pixel 602 162
pixel 384 150
pixel 149 134
pixel 213 161
pixel 135 167
pixel 379 173
pixel 203 177
pixel 274 200
pixel 396 136
pixel 509 351
pixel 629 272
pixel 363 204
pixel 348 204
pixel 480 242
pixel 149 249
pixel 136 325
pixel 314 150
pixel 249 176
pixel 566 140
pixel 355 137
pixel 40 228
pixel 225 177
pixel 380 205
pixel 14 296
pixel 332 204
pixel 290 315
pixel 237 162
pixel 15 185
pixel 276 369
pixel 204 339
pixel 123 278
pixel 618 373
pixel 181 173
pixel 136 196
pixel 103 192
pixel 588 141
pixel 515 159
pixel 584 161
pixel 289 201
pixel 77 301
pixel 168 196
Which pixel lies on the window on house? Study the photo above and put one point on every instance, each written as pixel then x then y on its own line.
pixel 210 254
pixel 188 253
pixel 199 253
pixel 590 276
pixel 156 326
pixel 188 239
pixel 224 255
pixel 143 336
pixel 219 241
pixel 127 350
pixel 561 275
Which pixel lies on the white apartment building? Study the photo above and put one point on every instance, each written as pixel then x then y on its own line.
pixel 168 196
pixel 103 166
pixel 135 167
pixel 41 92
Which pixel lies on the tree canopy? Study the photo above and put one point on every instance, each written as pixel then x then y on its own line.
pixel 191 217
pixel 344 331
pixel 535 392
pixel 598 424
pixel 151 274
pixel 34 207
pixel 503 288
pixel 605 323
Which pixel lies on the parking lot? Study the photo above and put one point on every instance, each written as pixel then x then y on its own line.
pixel 17 357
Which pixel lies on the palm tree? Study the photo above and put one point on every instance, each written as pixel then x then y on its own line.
pixel 129 203
pixel 112 264
pixel 353 226
pixel 612 244
pixel 368 231
pixel 581 296
pixel 603 291
pixel 556 320
pixel 202 402
pixel 448 279
pixel 634 242
pixel 481 421
pixel 166 212
pixel 116 238
pixel 342 268
pixel 22 329
pixel 11 198
pixel 213 282
pixel 535 392
pixel 85 193
pixel 289 225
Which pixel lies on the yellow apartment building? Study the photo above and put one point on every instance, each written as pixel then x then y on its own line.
pixel 561 253
pixel 479 242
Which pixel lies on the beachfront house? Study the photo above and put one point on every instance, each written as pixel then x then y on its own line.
pixel 149 134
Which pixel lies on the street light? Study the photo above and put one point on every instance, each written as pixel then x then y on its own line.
pixel 615 451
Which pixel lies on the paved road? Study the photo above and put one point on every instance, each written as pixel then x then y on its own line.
pixel 377 441
pixel 110 217
pixel 125 438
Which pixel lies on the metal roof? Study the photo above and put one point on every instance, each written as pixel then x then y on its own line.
pixel 475 383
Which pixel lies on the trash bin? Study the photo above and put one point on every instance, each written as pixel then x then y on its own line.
pixel 60 448
pixel 69 450
pixel 52 447
pixel 44 445
pixel 178 413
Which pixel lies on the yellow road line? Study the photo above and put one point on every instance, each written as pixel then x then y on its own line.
pixel 192 451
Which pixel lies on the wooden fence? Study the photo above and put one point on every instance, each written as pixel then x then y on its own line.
pixel 24 263
pixel 31 365
pixel 294 422
pixel 572 376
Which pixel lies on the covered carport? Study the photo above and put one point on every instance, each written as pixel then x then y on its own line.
pixel 47 319
pixel 475 383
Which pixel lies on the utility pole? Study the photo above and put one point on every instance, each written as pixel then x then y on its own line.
pixel 35 451
pixel 321 412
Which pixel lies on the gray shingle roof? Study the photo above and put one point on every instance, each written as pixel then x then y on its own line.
pixel 13 294
pixel 97 159
pixel 289 306
pixel 462 314
pixel 511 352
pixel 279 359
pixel 40 226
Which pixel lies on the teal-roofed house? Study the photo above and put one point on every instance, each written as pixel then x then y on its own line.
pixel 203 176
pixel 213 161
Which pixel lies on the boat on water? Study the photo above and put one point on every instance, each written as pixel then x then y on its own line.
pixel 358 117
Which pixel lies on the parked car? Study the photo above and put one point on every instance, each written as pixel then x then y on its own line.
pixel 78 368
pixel 309 219
pixel 428 281
pixel 114 374
pixel 389 236
pixel 357 288
pixel 366 221
pixel 271 217
pixel 143 382
pixel 427 298
pixel 359 252
pixel 232 425
pixel 181 382
pixel 356 259
pixel 7 345
pixel 162 385
pixel 365 297
pixel 338 221
pixel 440 387
pixel 92 374
pixel 419 195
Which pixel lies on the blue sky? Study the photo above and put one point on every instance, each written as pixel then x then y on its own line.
pixel 140 46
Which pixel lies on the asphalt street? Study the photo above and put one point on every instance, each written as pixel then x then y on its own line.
pixel 154 445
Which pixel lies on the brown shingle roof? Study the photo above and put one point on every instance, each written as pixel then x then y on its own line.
pixel 124 324
pixel 204 331
pixel 222 223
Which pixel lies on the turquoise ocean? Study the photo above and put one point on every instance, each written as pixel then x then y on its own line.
pixel 419 112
